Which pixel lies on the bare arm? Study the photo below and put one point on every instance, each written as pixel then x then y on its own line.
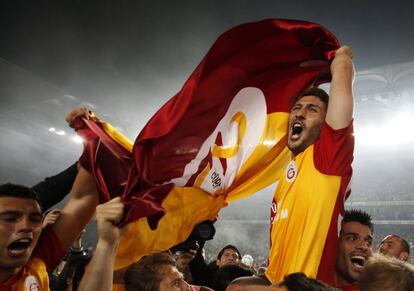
pixel 341 100
pixel 99 272
pixel 79 209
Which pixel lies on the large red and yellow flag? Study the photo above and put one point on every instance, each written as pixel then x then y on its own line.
pixel 221 138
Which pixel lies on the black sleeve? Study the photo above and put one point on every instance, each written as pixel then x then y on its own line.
pixel 200 271
pixel 53 189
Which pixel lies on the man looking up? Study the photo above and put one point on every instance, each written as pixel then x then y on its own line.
pixel 311 191
pixel 395 246
pixel 354 249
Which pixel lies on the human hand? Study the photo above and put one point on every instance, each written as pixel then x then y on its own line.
pixel 342 62
pixel 344 51
pixel 51 217
pixel 77 112
pixel 108 215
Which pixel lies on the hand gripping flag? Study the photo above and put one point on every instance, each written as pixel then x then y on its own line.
pixel 221 138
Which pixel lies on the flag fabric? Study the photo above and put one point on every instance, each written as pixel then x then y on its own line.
pixel 221 138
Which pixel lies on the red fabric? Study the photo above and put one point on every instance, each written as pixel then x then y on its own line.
pixel 333 155
pixel 265 54
pixel 49 249
pixel 9 283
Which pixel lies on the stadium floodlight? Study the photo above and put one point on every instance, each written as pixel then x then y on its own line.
pixel 395 131
pixel 77 139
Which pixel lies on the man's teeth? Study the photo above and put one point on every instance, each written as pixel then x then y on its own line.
pixel 358 261
pixel 24 241
pixel 296 128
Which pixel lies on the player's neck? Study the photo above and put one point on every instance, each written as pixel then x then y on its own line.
pixel 340 282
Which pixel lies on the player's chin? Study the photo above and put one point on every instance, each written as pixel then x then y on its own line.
pixel 13 263
pixel 294 145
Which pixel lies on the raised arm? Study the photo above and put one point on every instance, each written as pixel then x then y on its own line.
pixel 99 272
pixel 341 100
pixel 78 211
pixel 80 208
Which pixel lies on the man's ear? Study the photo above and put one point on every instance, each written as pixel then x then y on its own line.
pixel 403 256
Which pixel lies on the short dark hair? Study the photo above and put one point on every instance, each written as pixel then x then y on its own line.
pixel 227 247
pixel 315 91
pixel 357 215
pixel 299 282
pixel 18 191
pixel 146 274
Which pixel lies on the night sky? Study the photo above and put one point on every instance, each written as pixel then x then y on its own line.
pixel 101 49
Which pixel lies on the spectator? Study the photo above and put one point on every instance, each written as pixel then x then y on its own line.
pixel 386 273
pixel 155 272
pixel 354 248
pixel 203 273
pixel 395 246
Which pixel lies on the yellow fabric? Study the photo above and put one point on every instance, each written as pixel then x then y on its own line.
pixel 228 152
pixel 34 268
pixel 114 134
pixel 299 231
pixel 263 166
pixel 187 206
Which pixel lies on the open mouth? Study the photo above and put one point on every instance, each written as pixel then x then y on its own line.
pixel 297 129
pixel 358 261
pixel 18 247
